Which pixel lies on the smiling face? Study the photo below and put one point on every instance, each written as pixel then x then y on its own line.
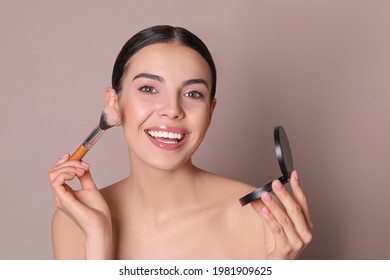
pixel 165 104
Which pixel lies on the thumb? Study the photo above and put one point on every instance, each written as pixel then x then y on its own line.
pixel 87 182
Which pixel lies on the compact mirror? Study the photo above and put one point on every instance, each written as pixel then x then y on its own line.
pixel 285 160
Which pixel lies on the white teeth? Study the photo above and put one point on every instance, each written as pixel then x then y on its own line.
pixel 165 134
pixel 167 142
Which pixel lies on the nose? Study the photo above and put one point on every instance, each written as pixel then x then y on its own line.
pixel 171 108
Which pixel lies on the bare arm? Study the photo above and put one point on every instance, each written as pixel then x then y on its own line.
pixel 68 239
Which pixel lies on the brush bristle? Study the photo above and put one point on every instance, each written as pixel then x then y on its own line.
pixel 109 118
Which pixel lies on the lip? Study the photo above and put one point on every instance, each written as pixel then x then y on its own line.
pixel 167 146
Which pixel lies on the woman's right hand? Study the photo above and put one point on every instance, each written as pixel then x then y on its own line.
pixel 86 207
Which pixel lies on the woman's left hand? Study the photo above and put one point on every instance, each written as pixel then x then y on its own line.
pixel 288 226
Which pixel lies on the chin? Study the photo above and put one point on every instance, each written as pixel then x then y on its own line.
pixel 169 165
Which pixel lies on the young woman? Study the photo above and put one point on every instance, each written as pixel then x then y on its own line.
pixel 163 85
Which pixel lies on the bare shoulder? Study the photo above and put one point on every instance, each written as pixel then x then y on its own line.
pixel 229 185
pixel 226 193
pixel 241 226
pixel 225 189
pixel 68 239
pixel 113 194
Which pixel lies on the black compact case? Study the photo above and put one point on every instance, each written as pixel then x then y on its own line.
pixel 285 160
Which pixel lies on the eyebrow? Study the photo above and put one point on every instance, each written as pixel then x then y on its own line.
pixel 150 76
pixel 195 81
pixel 162 80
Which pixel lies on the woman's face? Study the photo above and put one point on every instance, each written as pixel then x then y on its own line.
pixel 165 104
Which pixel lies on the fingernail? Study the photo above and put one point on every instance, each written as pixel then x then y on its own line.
pixel 278 185
pixel 84 164
pixel 265 210
pixel 64 156
pixel 267 196
pixel 295 174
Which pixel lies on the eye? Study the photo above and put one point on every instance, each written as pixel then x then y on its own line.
pixel 147 89
pixel 193 94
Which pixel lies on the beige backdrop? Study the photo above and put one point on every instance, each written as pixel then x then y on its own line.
pixel 320 68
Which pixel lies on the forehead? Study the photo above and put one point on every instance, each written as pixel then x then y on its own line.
pixel 170 60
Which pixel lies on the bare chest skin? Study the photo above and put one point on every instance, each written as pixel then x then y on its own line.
pixel 221 231
pixel 180 238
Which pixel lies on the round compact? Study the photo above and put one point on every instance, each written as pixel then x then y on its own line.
pixel 285 160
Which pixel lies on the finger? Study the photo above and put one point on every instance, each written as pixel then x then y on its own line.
pixel 65 197
pixel 59 195
pixel 63 194
pixel 294 211
pixel 300 197
pixel 282 243
pixel 257 205
pixel 58 183
pixel 87 182
pixel 74 163
pixel 60 160
pixel 65 169
pixel 283 221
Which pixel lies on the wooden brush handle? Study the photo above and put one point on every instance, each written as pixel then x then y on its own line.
pixel 79 153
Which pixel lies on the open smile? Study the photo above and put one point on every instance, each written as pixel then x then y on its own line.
pixel 167 138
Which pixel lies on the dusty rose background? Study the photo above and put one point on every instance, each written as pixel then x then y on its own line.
pixel 320 68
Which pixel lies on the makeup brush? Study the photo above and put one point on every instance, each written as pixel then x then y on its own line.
pixel 110 117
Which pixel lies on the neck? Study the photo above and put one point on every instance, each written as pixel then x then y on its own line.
pixel 162 193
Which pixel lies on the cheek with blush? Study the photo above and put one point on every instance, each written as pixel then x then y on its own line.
pixel 113 116
pixel 134 114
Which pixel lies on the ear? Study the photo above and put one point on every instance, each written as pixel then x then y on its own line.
pixel 213 104
pixel 111 98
